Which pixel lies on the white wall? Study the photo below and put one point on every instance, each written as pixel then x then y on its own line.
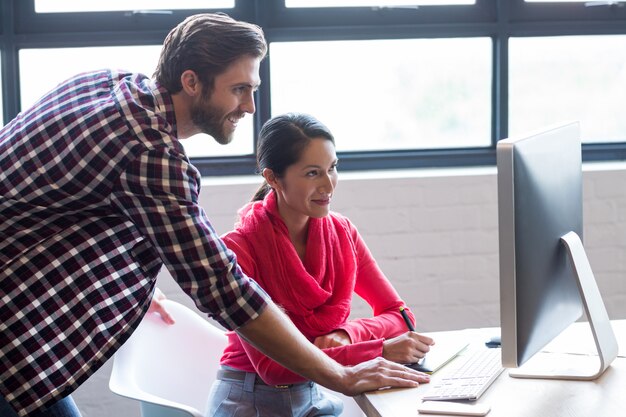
pixel 434 233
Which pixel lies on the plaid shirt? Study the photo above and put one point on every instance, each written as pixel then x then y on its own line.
pixel 96 194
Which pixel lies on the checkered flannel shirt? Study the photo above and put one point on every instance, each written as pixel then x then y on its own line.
pixel 96 194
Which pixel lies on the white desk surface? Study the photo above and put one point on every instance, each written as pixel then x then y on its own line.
pixel 515 397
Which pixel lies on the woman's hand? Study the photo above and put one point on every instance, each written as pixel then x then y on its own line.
pixel 157 307
pixel 333 339
pixel 409 347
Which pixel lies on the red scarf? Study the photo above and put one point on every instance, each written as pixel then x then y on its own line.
pixel 317 293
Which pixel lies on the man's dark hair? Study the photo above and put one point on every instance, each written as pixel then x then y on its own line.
pixel 206 44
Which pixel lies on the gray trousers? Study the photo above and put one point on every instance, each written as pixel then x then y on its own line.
pixel 248 398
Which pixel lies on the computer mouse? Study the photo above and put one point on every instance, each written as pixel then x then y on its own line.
pixel 494 342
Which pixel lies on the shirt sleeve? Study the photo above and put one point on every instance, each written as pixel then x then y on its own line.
pixel 374 287
pixel 158 192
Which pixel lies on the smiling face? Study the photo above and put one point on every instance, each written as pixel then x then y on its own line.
pixel 218 111
pixel 307 186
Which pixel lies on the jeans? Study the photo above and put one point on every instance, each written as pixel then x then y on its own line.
pixel 230 398
pixel 63 408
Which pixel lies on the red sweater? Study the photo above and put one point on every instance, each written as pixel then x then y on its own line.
pixel 367 334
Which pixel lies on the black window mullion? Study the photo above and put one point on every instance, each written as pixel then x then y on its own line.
pixel 91 39
pixel 500 113
pixel 569 28
pixel 10 69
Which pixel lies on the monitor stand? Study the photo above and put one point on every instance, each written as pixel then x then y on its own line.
pixel 576 366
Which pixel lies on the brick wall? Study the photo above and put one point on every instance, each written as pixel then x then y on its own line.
pixel 434 234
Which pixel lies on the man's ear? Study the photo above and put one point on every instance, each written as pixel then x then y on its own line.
pixel 191 83
pixel 270 178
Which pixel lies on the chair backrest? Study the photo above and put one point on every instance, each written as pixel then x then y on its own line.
pixel 169 368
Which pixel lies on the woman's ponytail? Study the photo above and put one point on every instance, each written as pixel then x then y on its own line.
pixel 263 190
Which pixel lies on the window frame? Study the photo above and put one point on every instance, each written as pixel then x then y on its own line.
pixel 21 27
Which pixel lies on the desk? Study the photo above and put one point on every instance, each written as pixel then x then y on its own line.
pixel 514 397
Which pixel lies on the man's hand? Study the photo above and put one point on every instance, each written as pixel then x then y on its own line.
pixel 378 373
pixel 157 307
pixel 336 338
pixel 409 347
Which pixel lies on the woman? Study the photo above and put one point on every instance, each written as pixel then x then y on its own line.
pixel 310 260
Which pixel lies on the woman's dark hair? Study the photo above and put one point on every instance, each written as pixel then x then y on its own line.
pixel 206 44
pixel 281 142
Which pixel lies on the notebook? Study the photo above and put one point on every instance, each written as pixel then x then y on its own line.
pixel 447 346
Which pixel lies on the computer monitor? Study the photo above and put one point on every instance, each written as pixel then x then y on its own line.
pixel 546 282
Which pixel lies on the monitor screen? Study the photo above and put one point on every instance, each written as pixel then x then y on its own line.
pixel 539 203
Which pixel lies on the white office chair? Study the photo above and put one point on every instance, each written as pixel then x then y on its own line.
pixel 350 407
pixel 170 368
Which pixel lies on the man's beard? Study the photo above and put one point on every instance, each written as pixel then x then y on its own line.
pixel 210 120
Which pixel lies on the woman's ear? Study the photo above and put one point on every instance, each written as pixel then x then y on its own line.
pixel 270 178
pixel 191 83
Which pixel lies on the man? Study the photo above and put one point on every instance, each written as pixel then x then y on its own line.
pixel 96 193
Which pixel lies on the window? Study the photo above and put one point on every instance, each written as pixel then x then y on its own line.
pixel 401 83
pixel 569 78
pixel 564 1
pixel 389 94
pixel 42 69
pixel 373 3
pixel 64 6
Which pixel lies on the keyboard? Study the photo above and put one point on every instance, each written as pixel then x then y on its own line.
pixel 469 378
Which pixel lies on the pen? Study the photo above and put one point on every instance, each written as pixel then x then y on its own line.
pixel 405 316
